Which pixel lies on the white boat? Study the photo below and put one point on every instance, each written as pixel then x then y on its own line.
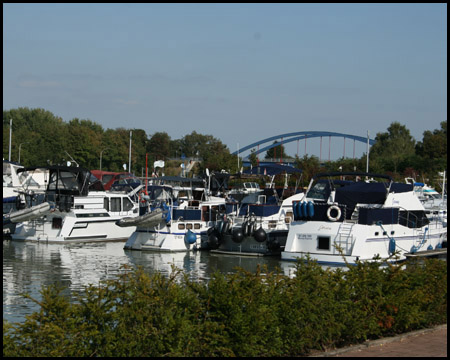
pixel 81 210
pixel 187 214
pixel 430 198
pixel 242 190
pixel 342 221
pixel 21 189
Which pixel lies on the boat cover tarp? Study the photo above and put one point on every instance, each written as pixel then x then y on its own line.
pixel 272 169
pixel 367 193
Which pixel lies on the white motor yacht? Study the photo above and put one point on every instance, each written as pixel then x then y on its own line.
pixel 79 210
pixel 176 223
pixel 341 221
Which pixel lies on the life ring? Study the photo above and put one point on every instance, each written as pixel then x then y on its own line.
pixel 338 215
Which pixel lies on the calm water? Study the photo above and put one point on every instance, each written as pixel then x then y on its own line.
pixel 27 266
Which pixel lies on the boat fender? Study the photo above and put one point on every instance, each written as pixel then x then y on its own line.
pixel 391 246
pixel 260 235
pixel 213 240
pixel 68 204
pixel 310 209
pixel 166 210
pixel 251 227
pixel 338 213
pixel 224 227
pixel 413 249
pixel 430 247
pixel 294 210
pixel 299 210
pixel 238 235
pixel 190 237
pixel 245 228
pixel 304 209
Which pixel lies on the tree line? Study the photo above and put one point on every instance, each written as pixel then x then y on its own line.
pixel 40 137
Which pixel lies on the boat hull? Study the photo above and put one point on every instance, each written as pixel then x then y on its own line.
pixel 341 243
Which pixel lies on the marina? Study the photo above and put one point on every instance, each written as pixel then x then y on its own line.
pixel 80 234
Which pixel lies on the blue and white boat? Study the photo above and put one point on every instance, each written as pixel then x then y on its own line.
pixel 175 223
pixel 341 221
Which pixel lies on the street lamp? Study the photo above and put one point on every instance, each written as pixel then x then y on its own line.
pixel 26 142
pixel 101 152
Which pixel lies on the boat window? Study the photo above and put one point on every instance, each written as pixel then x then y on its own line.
pixel 376 233
pixel 56 223
pixel 181 226
pixel 323 242
pixel 205 213
pixel 319 191
pixel 115 204
pixel 106 203
pixel 196 226
pixel 189 226
pixel 127 204
pixel 106 179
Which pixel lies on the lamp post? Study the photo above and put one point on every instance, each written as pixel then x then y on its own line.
pixel 101 175
pixel 20 145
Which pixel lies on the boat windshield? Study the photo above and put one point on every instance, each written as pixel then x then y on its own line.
pixel 319 191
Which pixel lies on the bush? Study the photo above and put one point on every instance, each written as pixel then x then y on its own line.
pixel 240 314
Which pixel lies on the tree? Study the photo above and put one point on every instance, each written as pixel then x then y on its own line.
pixel 159 146
pixel 45 134
pixel 433 149
pixel 83 141
pixel 393 146
pixel 276 152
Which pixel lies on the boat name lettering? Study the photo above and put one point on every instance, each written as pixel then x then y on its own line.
pixel 304 236
pixel 324 228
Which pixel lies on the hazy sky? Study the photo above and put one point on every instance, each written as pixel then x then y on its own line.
pixel 238 72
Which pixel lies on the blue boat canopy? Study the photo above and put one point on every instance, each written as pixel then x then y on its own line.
pixel 272 169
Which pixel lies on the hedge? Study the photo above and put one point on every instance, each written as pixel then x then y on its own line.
pixel 240 314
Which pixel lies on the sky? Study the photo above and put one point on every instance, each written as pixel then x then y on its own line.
pixel 239 72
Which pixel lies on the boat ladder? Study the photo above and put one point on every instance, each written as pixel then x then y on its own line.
pixel 345 237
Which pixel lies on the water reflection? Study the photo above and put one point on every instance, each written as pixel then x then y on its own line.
pixel 29 266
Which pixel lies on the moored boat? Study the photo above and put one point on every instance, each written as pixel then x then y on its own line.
pixel 189 211
pixel 342 221
pixel 81 210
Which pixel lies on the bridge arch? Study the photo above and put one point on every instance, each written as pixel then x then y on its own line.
pixel 300 135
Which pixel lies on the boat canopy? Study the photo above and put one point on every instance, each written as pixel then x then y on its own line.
pixel 69 180
pixel 272 169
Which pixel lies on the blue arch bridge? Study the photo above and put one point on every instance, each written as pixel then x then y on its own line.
pixel 297 136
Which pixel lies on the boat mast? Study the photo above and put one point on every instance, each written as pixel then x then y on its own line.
pixel 367 162
pixel 10 135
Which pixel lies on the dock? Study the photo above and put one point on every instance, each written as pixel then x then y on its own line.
pixel 437 253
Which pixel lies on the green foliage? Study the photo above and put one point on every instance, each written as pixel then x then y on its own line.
pixel 393 146
pixel 45 138
pixel 239 314
pixel 276 152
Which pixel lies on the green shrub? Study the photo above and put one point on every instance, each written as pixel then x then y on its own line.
pixel 240 314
